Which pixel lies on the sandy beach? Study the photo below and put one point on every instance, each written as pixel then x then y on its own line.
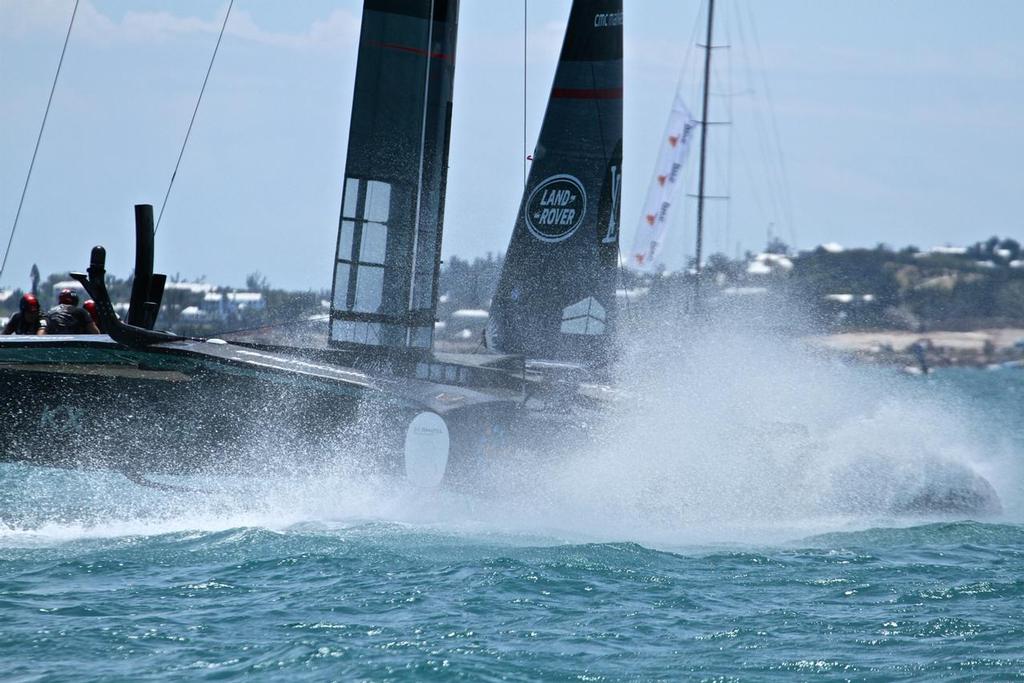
pixel 976 347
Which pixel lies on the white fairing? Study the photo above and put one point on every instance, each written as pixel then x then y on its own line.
pixel 426 450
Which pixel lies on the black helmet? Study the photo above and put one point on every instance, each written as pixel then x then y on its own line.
pixel 68 296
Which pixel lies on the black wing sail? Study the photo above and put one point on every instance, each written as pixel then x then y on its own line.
pixel 389 240
pixel 556 296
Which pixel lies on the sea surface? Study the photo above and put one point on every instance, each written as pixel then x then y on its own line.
pixel 593 574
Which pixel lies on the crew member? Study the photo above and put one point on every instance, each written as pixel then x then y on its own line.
pixel 28 319
pixel 67 318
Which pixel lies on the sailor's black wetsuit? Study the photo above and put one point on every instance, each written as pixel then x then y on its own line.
pixel 67 319
pixel 19 324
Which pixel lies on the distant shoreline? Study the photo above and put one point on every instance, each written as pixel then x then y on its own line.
pixel 975 348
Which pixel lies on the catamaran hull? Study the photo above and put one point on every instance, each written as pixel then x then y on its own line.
pixel 88 402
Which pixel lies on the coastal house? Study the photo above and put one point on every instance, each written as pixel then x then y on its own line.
pixel 225 305
pixel 946 250
pixel 846 308
pixel 769 264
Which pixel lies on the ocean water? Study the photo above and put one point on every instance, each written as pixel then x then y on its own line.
pixel 736 523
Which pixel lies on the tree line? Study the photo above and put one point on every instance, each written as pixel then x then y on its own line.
pixel 865 288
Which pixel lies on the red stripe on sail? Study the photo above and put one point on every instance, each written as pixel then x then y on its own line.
pixel 412 50
pixel 587 93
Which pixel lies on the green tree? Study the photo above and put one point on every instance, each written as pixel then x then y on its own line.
pixel 256 282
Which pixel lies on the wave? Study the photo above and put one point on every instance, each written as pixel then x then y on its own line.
pixel 726 437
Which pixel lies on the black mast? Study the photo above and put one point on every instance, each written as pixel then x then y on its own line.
pixel 703 154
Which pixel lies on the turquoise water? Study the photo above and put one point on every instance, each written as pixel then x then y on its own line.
pixel 326 578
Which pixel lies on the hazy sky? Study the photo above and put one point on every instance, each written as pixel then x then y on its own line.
pixel 897 121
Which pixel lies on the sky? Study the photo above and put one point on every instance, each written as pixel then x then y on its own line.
pixel 896 121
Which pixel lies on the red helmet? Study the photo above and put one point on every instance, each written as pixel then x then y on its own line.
pixel 68 296
pixel 90 306
pixel 29 303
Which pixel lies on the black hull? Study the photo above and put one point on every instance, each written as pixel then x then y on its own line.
pixel 185 407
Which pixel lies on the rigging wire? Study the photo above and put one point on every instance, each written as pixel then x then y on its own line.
pixel 787 196
pixel 682 217
pixel 271 325
pixel 772 174
pixel 768 137
pixel 730 116
pixel 525 31
pixel 39 139
pixel 195 111
pixel 685 217
pixel 753 187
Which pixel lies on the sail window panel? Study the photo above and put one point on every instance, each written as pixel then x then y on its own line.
pixel 420 337
pixel 343 330
pixel 422 370
pixel 341 273
pixel 355 332
pixel 393 335
pixel 369 289
pixel 378 201
pixel 345 237
pixel 373 245
pixel 348 206
pixel 368 333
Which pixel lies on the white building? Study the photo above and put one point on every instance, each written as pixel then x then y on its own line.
pixel 191 287
pixel 221 305
pixel 769 264
pixel 948 251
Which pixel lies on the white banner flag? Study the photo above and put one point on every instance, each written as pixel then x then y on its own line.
pixel 654 219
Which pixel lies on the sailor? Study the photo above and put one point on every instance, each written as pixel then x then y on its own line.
pixel 28 319
pixel 67 318
pixel 918 349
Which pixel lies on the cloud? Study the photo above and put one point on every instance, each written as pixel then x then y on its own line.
pixel 160 26
pixel 23 18
pixel 339 30
pixel 19 18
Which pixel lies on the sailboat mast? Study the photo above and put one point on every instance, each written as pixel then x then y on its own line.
pixel 703 149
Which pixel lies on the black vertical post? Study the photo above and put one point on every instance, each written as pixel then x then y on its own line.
pixel 703 155
pixel 156 295
pixel 143 264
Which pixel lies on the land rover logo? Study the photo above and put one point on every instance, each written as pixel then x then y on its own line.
pixel 555 209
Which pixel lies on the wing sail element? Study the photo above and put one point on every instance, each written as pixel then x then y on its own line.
pixel 389 239
pixel 555 298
